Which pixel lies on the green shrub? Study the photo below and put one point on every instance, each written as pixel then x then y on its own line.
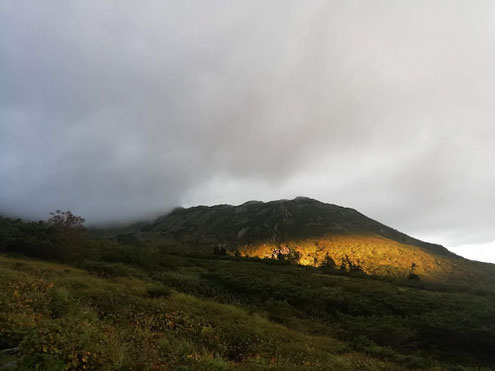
pixel 278 310
pixel 60 302
pixel 413 276
pixel 65 342
pixel 175 349
pixel 361 343
pixel 158 291
pixel 106 269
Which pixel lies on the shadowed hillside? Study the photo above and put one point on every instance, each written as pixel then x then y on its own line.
pixel 275 221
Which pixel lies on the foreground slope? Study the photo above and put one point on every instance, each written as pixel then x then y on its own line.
pixel 164 312
pixel 57 317
pixel 309 232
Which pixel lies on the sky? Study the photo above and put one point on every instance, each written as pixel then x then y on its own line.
pixel 123 110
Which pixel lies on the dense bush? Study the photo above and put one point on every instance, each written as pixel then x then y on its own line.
pixel 62 344
pixel 158 291
pixel 61 238
pixel 106 269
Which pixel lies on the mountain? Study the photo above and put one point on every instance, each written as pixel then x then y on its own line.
pixel 275 221
pixel 75 300
pixel 310 232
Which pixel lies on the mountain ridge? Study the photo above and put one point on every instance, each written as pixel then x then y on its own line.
pixel 275 213
pixel 306 231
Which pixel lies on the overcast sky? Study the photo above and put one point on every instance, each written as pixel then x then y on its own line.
pixel 121 110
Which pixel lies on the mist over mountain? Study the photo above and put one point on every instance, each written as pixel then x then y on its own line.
pixel 118 113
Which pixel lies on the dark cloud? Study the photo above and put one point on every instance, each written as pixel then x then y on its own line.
pixel 122 111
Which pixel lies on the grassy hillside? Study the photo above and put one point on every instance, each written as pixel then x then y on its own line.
pixel 62 317
pixel 340 301
pixel 220 314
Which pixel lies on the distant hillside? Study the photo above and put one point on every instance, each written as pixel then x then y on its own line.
pixel 310 232
pixel 276 221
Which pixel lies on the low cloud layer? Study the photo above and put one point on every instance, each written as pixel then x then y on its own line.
pixel 121 111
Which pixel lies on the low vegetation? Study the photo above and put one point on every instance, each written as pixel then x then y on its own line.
pixel 114 306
